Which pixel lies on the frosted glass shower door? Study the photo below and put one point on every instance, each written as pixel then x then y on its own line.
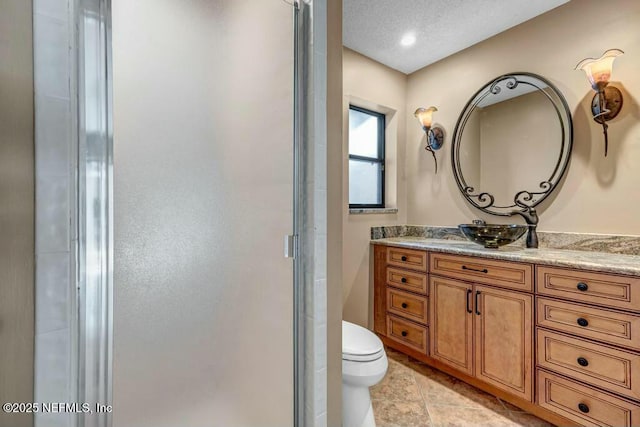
pixel 203 166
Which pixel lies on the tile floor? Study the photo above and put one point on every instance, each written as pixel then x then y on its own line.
pixel 414 395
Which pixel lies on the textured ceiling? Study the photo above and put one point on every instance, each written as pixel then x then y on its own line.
pixel 442 27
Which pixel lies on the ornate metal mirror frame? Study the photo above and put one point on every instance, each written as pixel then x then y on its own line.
pixel 524 201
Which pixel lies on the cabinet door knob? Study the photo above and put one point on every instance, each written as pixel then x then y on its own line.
pixel 404 333
pixel 582 287
pixel 404 305
pixel 403 280
pixel 404 258
pixel 583 408
pixel 582 361
pixel 583 322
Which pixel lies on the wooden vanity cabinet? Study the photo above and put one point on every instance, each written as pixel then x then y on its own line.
pixel 504 339
pixel 588 342
pixel 586 406
pixel 513 275
pixel 479 323
pixel 484 331
pixel 452 323
pixel 401 301
pixel 482 319
pixel 561 343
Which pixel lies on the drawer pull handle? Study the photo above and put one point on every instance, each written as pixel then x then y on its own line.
pixel 583 322
pixel 583 408
pixel 403 280
pixel 404 258
pixel 582 287
pixel 582 361
pixel 404 305
pixel 484 270
pixel 469 292
pixel 404 333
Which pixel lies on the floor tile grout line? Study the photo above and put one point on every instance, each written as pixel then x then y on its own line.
pixel 424 400
pixel 503 405
pixel 502 402
pixel 477 406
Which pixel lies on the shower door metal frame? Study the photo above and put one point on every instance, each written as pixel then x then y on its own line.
pixel 299 117
pixel 94 208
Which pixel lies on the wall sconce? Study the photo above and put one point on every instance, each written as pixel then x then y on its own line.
pixel 435 134
pixel 607 102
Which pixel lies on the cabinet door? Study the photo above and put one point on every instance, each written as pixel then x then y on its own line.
pixel 451 322
pixel 503 339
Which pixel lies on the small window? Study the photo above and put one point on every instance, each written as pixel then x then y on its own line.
pixel 366 158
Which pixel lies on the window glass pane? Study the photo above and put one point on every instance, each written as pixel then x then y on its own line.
pixel 364 183
pixel 363 134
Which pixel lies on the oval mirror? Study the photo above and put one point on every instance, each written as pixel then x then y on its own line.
pixel 512 143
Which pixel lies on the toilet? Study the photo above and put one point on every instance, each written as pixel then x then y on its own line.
pixel 364 364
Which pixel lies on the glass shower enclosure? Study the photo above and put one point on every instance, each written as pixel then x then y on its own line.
pixel 195 159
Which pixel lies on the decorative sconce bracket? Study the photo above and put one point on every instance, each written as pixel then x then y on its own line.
pixel 613 104
pixel 435 137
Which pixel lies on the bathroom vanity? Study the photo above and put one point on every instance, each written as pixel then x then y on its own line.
pixel 554 332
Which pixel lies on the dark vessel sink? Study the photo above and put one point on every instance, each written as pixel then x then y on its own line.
pixel 493 235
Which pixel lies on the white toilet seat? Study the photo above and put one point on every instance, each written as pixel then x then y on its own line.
pixel 363 357
pixel 360 344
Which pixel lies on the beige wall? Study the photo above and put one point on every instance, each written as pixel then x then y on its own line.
pixel 16 209
pixel 371 85
pixel 599 195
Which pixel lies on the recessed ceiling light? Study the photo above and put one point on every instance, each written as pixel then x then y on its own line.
pixel 408 40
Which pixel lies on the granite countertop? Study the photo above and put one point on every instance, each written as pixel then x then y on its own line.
pixel 595 261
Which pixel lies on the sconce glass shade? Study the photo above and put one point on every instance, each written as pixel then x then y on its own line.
pixel 425 116
pixel 598 71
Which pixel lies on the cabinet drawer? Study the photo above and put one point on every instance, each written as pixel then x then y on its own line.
pixel 489 272
pixel 407 305
pixel 609 326
pixel 596 364
pixel 407 258
pixel 407 280
pixel 407 333
pixel 584 405
pixel 596 288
